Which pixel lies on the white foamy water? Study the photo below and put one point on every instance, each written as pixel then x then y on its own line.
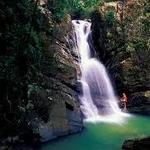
pixel 98 101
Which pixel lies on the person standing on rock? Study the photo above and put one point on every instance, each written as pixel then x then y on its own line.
pixel 124 100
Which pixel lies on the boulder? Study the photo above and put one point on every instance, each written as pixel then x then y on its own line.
pixel 139 103
pixel 137 144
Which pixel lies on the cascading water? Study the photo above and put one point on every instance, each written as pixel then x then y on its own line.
pixel 98 101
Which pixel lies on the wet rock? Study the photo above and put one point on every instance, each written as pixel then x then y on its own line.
pixel 137 144
pixel 139 103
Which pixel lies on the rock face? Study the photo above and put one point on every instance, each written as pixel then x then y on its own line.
pixel 139 103
pixel 55 98
pixel 137 144
pixel 121 44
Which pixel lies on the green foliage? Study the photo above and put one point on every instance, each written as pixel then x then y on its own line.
pixel 137 26
pixel 138 40
pixel 90 6
pixel 58 9
pixel 77 8
pixel 107 1
pixel 110 18
pixel 21 40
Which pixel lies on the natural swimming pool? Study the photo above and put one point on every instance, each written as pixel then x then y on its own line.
pixel 102 136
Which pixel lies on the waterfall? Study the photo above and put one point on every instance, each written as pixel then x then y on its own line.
pixel 98 101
